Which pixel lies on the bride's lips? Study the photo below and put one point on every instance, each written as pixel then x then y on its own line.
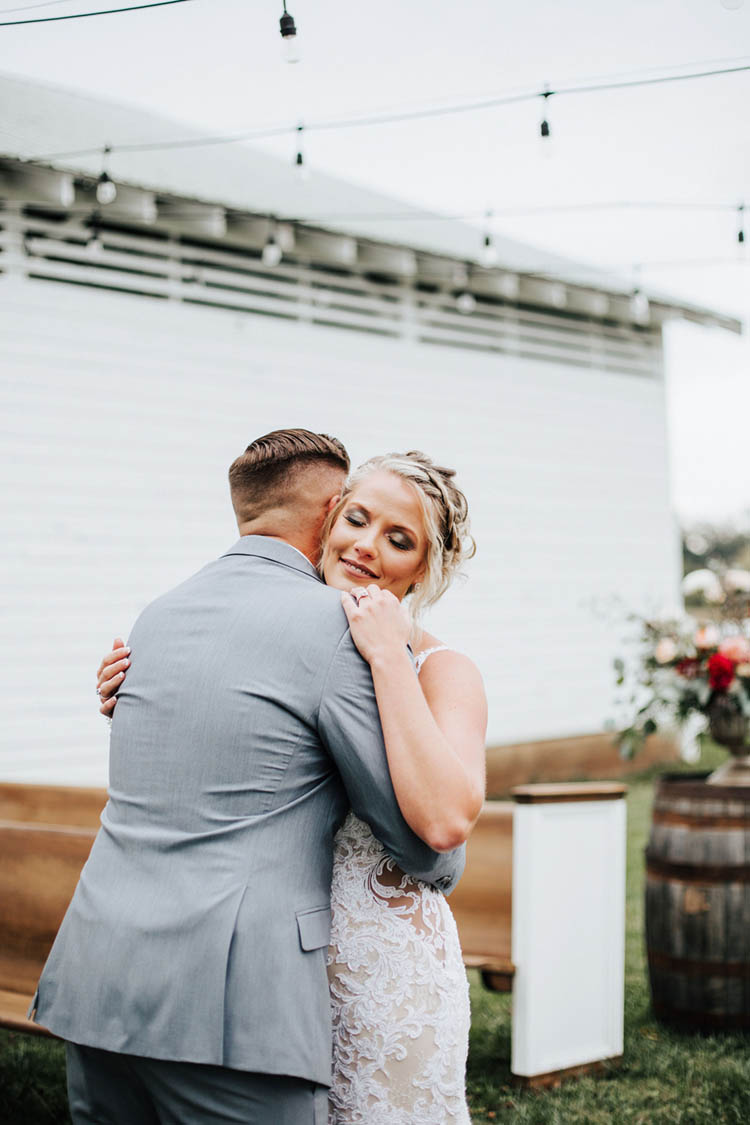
pixel 356 569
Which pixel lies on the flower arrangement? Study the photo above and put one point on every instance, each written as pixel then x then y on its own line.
pixel 692 675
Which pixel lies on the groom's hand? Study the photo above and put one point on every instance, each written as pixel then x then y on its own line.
pixel 110 675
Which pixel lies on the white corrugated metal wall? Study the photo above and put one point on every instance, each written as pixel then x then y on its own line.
pixel 120 415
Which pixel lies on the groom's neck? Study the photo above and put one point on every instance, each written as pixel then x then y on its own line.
pixel 306 540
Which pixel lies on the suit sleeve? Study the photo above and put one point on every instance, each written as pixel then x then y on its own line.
pixel 349 726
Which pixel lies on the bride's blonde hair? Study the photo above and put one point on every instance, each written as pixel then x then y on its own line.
pixel 445 513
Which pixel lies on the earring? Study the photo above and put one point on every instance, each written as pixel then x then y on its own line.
pixel 417 586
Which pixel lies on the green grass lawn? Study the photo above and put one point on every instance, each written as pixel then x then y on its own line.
pixel 665 1076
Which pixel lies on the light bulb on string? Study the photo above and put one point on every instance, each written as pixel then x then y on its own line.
pixel 544 130
pixel 289 36
pixel 509 286
pixel 300 168
pixel 489 255
pixel 557 295
pixel 466 303
pixel 290 44
pixel 94 245
pixel 638 305
pixel 741 225
pixel 106 192
pixel 272 253
pixel 640 309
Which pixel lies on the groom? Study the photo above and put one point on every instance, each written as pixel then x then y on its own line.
pixel 189 974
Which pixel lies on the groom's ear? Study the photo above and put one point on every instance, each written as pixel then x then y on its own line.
pixel 333 502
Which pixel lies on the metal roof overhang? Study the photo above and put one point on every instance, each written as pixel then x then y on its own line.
pixel 577 292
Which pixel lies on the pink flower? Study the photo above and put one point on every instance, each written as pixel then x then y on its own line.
pixel 665 650
pixel 706 636
pixel 737 649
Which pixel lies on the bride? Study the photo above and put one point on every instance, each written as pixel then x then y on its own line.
pixel 392 544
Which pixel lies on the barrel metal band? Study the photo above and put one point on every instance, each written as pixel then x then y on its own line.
pixel 695 820
pixel 726 969
pixel 698 873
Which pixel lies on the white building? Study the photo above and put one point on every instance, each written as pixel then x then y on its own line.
pixel 134 366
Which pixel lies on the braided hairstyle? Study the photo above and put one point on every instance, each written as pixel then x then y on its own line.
pixel 446 520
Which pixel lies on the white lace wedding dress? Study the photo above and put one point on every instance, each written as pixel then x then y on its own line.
pixel 398 990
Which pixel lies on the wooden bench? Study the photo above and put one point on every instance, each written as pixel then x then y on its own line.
pixel 46 833
pixel 481 903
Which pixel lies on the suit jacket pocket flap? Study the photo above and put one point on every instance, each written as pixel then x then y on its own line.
pixel 314 927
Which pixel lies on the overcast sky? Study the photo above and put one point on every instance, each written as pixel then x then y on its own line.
pixel 219 64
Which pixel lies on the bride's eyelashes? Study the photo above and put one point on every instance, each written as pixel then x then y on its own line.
pixel 402 543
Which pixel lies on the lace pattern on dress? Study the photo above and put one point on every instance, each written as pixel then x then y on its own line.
pixel 399 992
pixel 420 658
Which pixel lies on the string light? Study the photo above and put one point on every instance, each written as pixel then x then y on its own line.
pixel 106 192
pixel 509 286
pixel 489 255
pixel 94 246
pixel 388 118
pixel 272 253
pixel 289 36
pixel 558 295
pixel 741 224
pixel 466 303
pixel 86 15
pixel 640 309
pixel 301 169
pixel 544 129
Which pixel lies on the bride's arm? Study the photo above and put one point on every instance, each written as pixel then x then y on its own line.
pixel 434 728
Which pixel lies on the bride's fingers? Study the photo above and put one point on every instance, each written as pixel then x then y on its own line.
pixel 109 672
pixel 107 688
pixel 108 705
pixel 112 658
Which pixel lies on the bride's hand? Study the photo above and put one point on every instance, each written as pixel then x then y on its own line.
pixel 379 623
pixel 110 675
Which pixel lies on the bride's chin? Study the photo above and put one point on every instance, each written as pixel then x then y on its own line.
pixel 335 579
pixel 338 580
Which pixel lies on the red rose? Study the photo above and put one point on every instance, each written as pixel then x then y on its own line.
pixel 720 671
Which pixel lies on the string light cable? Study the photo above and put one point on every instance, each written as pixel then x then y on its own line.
pixel 87 15
pixel 396 116
pixel 33 7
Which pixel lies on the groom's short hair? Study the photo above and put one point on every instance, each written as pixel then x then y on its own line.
pixel 266 474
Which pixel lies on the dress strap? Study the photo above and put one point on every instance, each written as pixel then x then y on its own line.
pixel 420 658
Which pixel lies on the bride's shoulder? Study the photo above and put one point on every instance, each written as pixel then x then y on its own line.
pixel 439 660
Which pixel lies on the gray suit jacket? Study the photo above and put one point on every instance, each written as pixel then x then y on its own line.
pixel 246 727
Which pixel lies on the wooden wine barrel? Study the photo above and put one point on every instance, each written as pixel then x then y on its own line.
pixel 698 903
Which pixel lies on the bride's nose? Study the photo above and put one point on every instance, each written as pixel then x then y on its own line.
pixel 365 543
